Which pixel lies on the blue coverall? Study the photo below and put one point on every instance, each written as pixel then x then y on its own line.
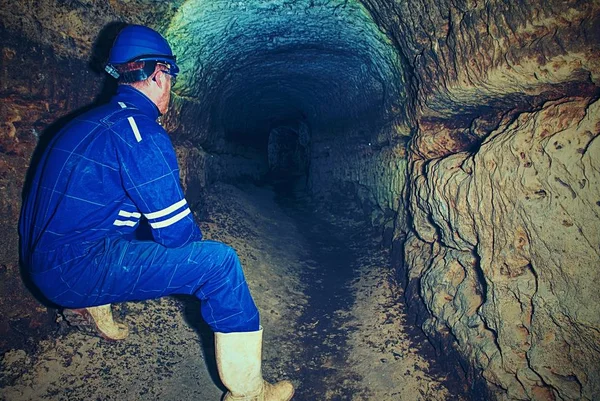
pixel 104 175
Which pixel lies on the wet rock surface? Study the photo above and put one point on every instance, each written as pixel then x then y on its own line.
pixel 332 314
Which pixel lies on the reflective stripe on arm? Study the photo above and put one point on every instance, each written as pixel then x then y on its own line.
pixel 124 213
pixel 126 223
pixel 135 216
pixel 164 218
pixel 166 211
pixel 172 220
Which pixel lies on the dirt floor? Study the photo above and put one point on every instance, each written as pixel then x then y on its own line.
pixel 330 306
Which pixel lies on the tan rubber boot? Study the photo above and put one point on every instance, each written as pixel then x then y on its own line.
pixel 239 360
pixel 100 319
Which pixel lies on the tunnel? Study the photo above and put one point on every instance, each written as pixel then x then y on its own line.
pixel 412 188
pixel 327 73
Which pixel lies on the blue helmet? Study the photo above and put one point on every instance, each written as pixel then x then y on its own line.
pixel 137 43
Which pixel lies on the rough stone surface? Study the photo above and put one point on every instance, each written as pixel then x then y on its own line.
pixel 370 163
pixel 501 238
pixel 469 63
pixel 254 64
pixel 506 251
pixel 72 27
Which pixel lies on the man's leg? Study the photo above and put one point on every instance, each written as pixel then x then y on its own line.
pixel 239 360
pixel 137 270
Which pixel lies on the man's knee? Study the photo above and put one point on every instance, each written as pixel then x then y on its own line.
pixel 225 259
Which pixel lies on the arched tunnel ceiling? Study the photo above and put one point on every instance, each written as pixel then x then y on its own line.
pixel 251 63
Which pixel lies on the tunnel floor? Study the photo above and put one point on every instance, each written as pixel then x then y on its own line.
pixel 332 313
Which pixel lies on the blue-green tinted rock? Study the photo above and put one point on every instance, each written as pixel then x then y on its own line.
pixel 253 63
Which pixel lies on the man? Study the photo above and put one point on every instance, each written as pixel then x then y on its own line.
pixel 106 174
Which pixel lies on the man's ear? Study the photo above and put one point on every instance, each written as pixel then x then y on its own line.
pixel 159 78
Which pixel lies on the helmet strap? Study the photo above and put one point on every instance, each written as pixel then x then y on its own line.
pixel 138 75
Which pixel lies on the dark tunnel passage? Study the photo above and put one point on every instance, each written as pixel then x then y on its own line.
pixel 289 90
pixel 280 87
pixel 318 69
pixel 289 153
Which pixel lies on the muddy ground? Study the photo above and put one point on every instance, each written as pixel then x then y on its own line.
pixel 330 306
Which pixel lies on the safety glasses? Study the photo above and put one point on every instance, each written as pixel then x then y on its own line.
pixel 173 76
pixel 167 70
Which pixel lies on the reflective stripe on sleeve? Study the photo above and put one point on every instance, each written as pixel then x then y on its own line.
pixel 128 223
pixel 172 220
pixel 124 213
pixel 123 105
pixel 165 211
pixel 135 129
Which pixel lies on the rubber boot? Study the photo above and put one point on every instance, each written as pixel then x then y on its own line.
pixel 100 319
pixel 239 360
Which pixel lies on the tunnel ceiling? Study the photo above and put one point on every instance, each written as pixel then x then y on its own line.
pixel 255 64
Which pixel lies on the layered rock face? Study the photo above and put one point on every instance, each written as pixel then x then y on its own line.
pixel 505 251
pixel 467 128
pixel 502 244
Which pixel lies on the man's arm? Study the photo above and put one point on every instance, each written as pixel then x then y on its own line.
pixel 150 177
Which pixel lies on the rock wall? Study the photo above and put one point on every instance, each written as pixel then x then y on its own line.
pixel 506 252
pixel 502 234
pixel 362 160
pixel 30 110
